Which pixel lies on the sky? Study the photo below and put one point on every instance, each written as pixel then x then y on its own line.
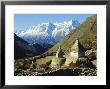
pixel 24 21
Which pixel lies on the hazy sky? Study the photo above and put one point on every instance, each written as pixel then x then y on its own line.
pixel 23 21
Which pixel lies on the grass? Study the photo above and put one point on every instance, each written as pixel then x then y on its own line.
pixel 44 60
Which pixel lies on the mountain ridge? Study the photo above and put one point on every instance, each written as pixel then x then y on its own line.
pixel 48 32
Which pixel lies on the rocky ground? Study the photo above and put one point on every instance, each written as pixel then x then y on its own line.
pixel 83 67
pixel 77 71
pixel 62 72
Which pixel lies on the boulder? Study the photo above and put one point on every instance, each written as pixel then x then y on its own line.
pixel 90 54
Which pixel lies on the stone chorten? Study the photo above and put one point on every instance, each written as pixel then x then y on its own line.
pixel 77 50
pixel 59 53
pixel 56 62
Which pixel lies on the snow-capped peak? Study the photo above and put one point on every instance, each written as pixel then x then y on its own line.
pixel 48 32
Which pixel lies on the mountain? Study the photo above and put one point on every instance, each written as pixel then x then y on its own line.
pixel 86 33
pixel 48 33
pixel 23 49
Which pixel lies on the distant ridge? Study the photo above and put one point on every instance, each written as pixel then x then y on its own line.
pixel 22 49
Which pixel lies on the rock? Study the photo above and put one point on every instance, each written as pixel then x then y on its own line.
pixel 90 55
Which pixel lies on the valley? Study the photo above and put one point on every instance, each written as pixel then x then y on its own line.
pixel 74 55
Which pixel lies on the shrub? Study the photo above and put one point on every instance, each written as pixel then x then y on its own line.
pixel 79 62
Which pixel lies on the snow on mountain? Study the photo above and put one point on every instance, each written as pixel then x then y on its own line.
pixel 48 32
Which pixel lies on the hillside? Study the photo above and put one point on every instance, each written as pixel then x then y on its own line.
pixel 86 33
pixel 22 48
